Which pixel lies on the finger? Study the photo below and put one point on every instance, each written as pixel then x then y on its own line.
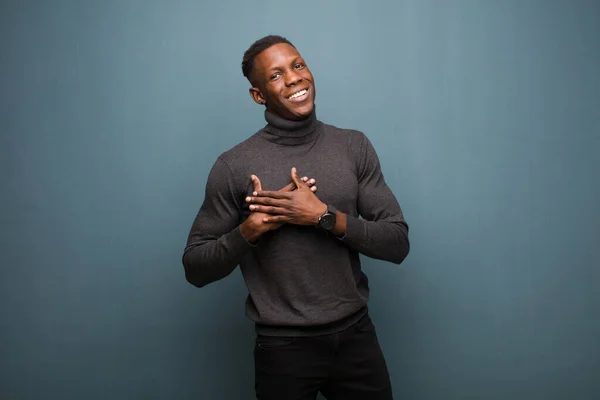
pixel 296 179
pixel 313 189
pixel 266 201
pixel 304 179
pixel 269 209
pixel 272 194
pixel 256 183
pixel 311 182
pixel 277 218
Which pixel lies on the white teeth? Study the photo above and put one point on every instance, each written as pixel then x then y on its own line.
pixel 298 94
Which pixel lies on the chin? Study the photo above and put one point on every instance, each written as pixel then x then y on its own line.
pixel 303 112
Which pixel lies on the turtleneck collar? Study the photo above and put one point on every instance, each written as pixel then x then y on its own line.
pixel 290 133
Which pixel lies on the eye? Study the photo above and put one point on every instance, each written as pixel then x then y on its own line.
pixel 298 65
pixel 275 76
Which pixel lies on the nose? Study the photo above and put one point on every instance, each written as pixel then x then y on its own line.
pixel 292 78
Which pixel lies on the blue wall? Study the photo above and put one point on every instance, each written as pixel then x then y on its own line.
pixel 485 115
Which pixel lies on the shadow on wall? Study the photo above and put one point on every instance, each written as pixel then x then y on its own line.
pixel 219 341
pixel 405 306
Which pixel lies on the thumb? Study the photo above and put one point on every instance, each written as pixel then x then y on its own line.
pixel 256 183
pixel 290 187
pixel 296 179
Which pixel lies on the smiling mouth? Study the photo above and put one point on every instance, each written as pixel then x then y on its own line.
pixel 298 94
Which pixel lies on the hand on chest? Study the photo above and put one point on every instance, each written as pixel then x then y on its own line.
pixel 336 181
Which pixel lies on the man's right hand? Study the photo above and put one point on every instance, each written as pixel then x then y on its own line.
pixel 254 226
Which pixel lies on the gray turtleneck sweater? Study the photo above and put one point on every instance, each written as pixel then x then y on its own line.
pixel 301 280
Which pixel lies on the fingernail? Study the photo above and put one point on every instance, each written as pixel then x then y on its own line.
pixel 254 194
pixel 248 199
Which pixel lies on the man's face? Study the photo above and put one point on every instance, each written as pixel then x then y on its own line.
pixel 283 82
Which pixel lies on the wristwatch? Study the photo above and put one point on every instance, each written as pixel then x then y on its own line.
pixel 327 220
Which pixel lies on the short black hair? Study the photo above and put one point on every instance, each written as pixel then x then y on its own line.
pixel 256 48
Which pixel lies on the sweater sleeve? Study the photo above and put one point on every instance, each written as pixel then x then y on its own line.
pixel 382 233
pixel 215 245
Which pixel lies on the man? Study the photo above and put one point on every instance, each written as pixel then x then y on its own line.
pixel 299 250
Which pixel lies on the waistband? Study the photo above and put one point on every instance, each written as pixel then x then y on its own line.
pixel 333 327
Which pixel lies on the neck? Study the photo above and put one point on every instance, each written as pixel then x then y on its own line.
pixel 288 132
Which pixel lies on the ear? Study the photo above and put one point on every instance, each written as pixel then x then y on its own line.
pixel 257 96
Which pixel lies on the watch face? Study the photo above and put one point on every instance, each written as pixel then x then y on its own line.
pixel 327 221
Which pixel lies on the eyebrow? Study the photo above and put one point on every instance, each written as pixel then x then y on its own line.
pixel 278 68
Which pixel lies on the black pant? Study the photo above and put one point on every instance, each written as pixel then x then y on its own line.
pixel 348 365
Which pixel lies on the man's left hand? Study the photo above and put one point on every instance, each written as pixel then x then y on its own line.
pixel 300 207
